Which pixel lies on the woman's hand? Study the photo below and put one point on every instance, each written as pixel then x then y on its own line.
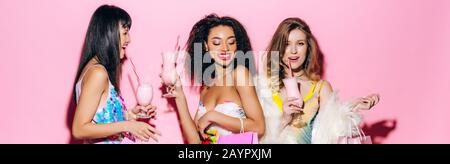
pixel 366 103
pixel 204 122
pixel 142 131
pixel 150 111
pixel 292 105
pixel 173 91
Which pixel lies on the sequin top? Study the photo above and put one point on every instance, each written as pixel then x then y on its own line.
pixel 113 110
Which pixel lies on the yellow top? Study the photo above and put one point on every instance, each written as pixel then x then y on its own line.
pixel 277 98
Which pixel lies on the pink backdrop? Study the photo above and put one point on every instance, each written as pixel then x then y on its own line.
pixel 398 48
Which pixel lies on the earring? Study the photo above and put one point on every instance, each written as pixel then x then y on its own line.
pixel 206 46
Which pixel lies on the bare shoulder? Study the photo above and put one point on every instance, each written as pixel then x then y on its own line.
pixel 241 71
pixel 326 88
pixel 96 76
pixel 242 76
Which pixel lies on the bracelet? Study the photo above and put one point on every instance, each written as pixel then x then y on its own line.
pixel 242 125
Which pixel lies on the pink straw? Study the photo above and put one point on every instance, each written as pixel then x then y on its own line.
pixel 177 47
pixel 290 69
pixel 135 72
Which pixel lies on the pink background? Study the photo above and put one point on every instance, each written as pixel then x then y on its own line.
pixel 398 48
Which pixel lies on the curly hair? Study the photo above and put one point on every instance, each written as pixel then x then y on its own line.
pixel 199 35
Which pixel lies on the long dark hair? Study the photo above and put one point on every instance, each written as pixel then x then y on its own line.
pixel 199 34
pixel 103 41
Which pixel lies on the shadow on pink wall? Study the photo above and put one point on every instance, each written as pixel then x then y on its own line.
pixel 380 130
